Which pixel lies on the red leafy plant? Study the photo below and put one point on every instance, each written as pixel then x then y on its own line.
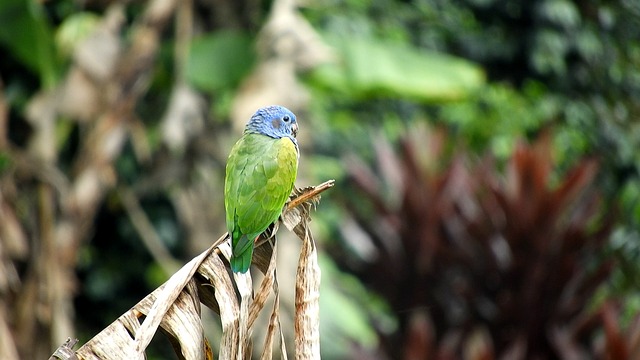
pixel 479 260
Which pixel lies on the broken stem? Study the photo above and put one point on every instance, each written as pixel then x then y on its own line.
pixel 308 194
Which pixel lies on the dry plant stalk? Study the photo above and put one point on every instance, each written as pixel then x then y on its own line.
pixel 174 307
pixel 110 77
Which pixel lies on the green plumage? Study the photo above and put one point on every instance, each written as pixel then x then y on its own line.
pixel 259 179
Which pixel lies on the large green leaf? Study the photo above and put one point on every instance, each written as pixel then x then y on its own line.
pixel 75 28
pixel 219 60
pixel 27 34
pixel 370 67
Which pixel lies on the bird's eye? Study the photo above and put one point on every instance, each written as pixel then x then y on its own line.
pixel 286 118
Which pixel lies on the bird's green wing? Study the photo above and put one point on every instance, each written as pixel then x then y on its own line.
pixel 260 175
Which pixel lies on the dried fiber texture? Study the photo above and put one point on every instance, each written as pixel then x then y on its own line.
pixel 174 307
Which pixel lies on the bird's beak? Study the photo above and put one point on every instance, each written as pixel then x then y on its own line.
pixel 294 129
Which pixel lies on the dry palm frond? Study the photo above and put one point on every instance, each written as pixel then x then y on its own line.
pixel 174 307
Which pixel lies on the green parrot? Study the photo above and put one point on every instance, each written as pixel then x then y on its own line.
pixel 260 172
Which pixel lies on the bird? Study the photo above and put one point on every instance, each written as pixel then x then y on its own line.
pixel 259 177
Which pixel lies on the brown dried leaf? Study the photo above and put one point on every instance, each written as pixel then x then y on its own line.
pixel 173 288
pixel 80 96
pixel 14 240
pixel 184 118
pixel 175 306
pixel 216 272
pixel 8 349
pixel 169 305
pixel 274 325
pixel 100 52
pixel 244 286
pixel 265 288
pixel 65 351
pixel 183 326
pixel 307 313
pixel 114 342
pixel 297 209
pixel 270 282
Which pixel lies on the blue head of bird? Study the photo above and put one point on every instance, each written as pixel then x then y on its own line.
pixel 274 121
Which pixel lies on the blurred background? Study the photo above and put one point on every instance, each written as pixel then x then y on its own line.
pixel 487 195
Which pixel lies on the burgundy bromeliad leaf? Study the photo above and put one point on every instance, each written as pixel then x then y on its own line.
pixel 478 260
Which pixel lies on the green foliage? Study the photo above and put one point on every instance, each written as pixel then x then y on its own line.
pixel 74 29
pixel 5 161
pixel 350 308
pixel 370 67
pixel 27 34
pixel 488 72
pixel 220 60
pixel 500 115
pixel 565 65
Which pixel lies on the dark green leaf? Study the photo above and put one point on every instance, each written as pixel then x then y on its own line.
pixel 219 60
pixel 26 32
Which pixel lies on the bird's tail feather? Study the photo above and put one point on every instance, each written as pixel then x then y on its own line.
pixel 241 262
